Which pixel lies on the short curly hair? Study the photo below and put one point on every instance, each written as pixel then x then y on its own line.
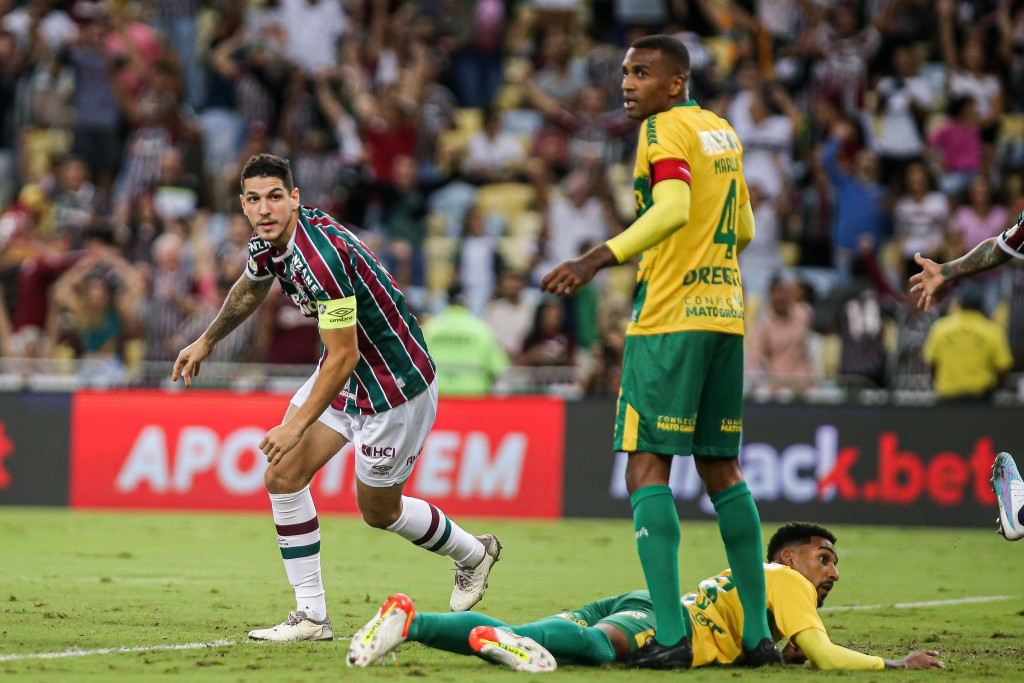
pixel 268 166
pixel 796 533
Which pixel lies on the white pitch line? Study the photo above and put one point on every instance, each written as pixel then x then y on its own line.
pixel 115 650
pixel 929 603
pixel 225 643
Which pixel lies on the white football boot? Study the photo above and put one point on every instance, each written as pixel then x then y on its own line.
pixel 387 630
pixel 296 627
pixel 1009 490
pixel 471 582
pixel 516 652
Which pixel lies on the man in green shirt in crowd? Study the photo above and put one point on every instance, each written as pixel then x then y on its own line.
pixel 467 355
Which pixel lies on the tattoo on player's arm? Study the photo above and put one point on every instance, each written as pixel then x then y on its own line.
pixel 244 298
pixel 985 256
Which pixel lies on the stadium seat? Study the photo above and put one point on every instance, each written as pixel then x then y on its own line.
pixel 469 120
pixel 525 224
pixel 440 255
pixel 507 199
pixel 517 251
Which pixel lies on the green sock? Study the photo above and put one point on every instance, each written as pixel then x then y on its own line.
pixel 740 526
pixel 449 630
pixel 657 541
pixel 569 642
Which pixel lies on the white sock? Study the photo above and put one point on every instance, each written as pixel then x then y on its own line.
pixel 298 536
pixel 430 529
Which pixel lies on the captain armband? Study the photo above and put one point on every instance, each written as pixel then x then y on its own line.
pixel 336 313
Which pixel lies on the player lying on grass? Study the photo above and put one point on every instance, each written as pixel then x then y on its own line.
pixel 801 573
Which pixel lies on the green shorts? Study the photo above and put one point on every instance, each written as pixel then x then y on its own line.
pixel 681 394
pixel 632 613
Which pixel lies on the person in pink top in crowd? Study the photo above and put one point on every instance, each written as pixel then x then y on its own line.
pixel 974 222
pixel 980 217
pixel 956 146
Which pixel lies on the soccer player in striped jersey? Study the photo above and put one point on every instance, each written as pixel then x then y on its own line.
pixel 375 386
pixel 682 377
pixel 800 573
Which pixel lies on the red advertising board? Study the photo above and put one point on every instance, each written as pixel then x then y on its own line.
pixel 199 450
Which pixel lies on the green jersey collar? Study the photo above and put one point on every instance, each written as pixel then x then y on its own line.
pixel 687 103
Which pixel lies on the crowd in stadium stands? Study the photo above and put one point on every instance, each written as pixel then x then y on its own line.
pixel 478 142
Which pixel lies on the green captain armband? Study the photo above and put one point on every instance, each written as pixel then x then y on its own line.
pixel 336 313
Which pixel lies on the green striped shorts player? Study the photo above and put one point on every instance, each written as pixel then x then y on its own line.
pixel 681 394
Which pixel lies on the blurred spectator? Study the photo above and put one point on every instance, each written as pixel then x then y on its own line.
pixel 238 347
pixel 221 124
pixel 46 116
pixel 576 216
pixel 39 19
pixel 956 146
pixel 968 75
pixel 12 62
pixel 177 21
pixel 974 222
pixel 604 378
pixel 479 33
pixel 155 119
pixel 133 46
pixel 298 17
pixel 903 102
pixel 403 210
pixel 94 313
pixel 583 132
pixel 172 296
pixel 920 217
pixel 137 226
pixel 779 350
pixel 855 311
pixel 478 262
pixel 969 353
pixel 561 76
pixel 1011 49
pixel 844 48
pixel 812 217
pixel 979 217
pixel 766 127
pixel 763 257
pixel 177 194
pixel 860 198
pixel 548 342
pixel 388 131
pixel 467 354
pixel 75 204
pixel 510 313
pixel 493 154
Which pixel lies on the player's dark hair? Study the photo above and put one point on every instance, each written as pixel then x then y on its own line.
pixel 268 166
pixel 670 48
pixel 796 533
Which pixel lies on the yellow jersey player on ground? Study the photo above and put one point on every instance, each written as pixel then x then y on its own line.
pixel 799 576
pixel 682 376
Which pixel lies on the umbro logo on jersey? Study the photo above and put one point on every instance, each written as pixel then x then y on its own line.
pixel 342 313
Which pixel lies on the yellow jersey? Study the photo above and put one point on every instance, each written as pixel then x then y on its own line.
pixel 717 616
pixel 691 279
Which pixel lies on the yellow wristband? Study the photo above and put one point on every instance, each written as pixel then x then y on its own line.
pixel 336 313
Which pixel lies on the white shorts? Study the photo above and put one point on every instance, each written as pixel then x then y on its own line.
pixel 386 445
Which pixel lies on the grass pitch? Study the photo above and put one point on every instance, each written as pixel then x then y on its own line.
pixel 141 583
